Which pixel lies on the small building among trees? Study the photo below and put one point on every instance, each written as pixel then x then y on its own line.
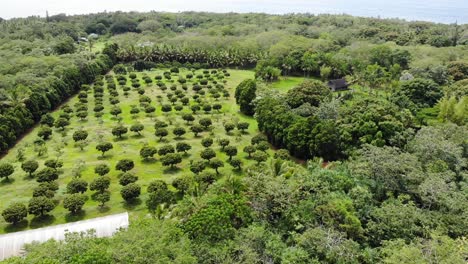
pixel 338 85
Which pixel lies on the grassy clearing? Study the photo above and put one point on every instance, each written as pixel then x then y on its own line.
pixel 285 83
pixel 61 146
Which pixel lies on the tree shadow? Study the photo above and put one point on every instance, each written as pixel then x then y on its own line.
pixel 20 226
pixel 137 136
pixel 237 172
pixel 41 221
pixel 7 181
pixel 70 217
pixel 149 161
pixel 28 178
pixel 120 139
pixel 105 157
pixel 131 205
pixel 171 170
pixel 103 209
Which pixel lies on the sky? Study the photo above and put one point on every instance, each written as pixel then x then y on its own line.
pixel 445 11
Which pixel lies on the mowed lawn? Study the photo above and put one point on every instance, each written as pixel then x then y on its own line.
pixel 61 145
pixel 285 83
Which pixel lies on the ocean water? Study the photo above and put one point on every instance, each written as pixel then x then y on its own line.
pixel 443 11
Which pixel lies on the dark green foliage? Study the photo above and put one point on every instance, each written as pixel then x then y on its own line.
pixel 216 164
pixel 74 202
pixel 44 132
pixel 236 163
pixel 259 156
pixel 171 159
pixel 422 91
pixel 161 133
pixel 197 166
pixel 15 213
pixel 100 184
pixel 102 198
pixel 245 94
pixel 230 151
pixel 183 147
pixel 207 142
pixel 218 219
pixel 46 189
pixel 6 170
pixel 101 169
pixel 182 184
pixel 124 165
pixel 310 91
pixel 119 131
pixel 147 152
pixel 166 149
pixel 77 186
pixel 104 147
pixel 61 123
pixel 130 192
pixel 30 166
pixel 48 120
pixel 40 206
pixel 208 154
pixel 229 126
pixel 249 150
pixel 196 129
pixel 53 163
pixel 126 178
pixel 223 143
pixel 179 131
pixel 46 175
pixel 137 128
pixel 242 126
pixel 205 122
pixel 80 135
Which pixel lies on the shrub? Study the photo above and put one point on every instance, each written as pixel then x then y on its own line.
pixel 130 192
pixel 74 202
pixel 15 213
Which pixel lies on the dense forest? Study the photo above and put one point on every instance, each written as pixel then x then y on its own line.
pixel 373 174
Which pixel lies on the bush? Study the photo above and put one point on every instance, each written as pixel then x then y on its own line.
pixel 102 169
pixel 100 184
pixel 30 166
pixel 74 202
pixel 127 178
pixel 40 206
pixel 124 165
pixel 130 192
pixel 77 186
pixel 15 213
pixel 245 94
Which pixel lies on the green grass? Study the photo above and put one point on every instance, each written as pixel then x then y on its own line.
pixel 285 83
pixel 61 145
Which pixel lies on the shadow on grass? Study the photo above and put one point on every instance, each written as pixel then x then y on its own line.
pixel 70 217
pixel 7 181
pixel 28 178
pixel 103 209
pixel 41 221
pixel 136 136
pixel 120 139
pixel 149 161
pixel 105 157
pixel 171 170
pixel 237 172
pixel 131 205
pixel 20 226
